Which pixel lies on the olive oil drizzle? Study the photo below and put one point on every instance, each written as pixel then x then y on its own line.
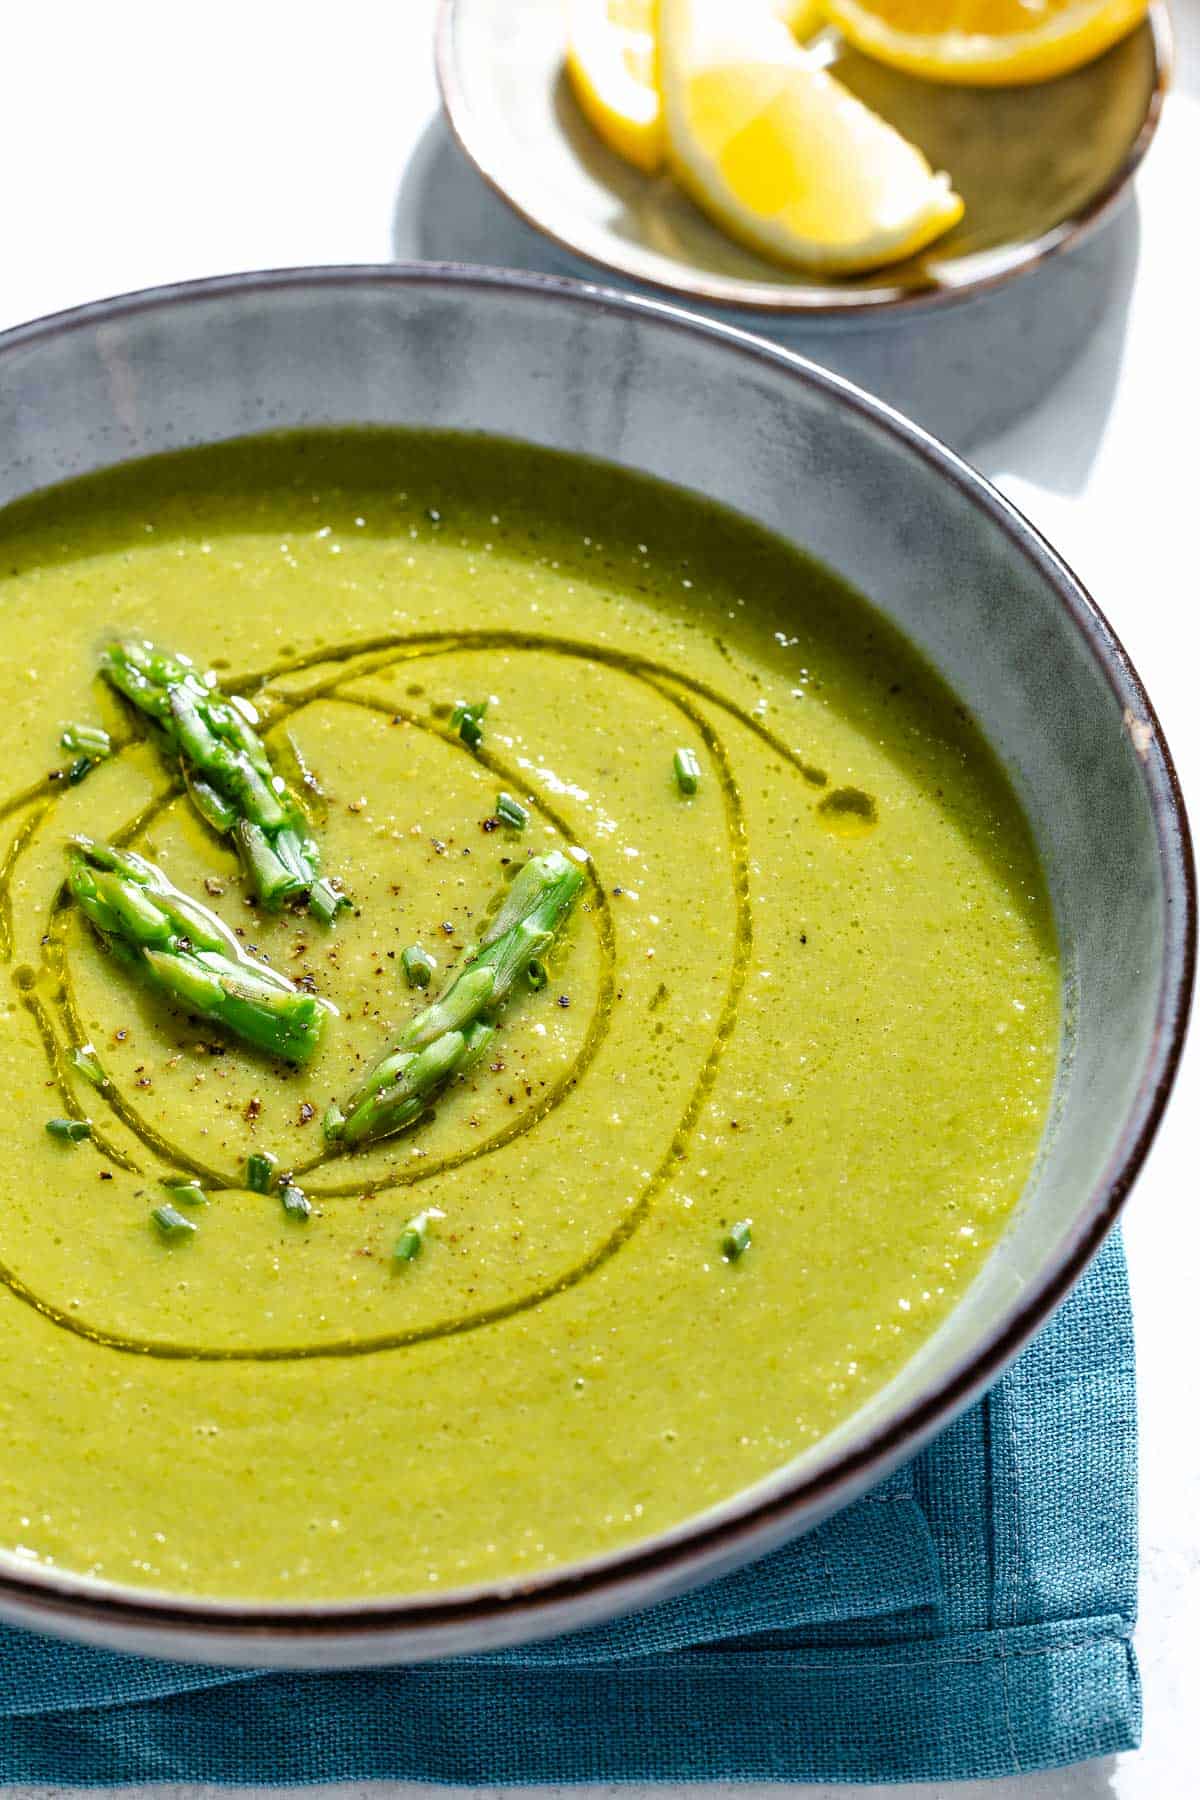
pixel 177 1158
pixel 12 854
pixel 61 1073
pixel 384 651
pixel 171 1155
pixel 668 683
pixel 40 790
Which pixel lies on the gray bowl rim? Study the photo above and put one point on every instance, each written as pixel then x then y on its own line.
pixel 777 300
pixel 66 1603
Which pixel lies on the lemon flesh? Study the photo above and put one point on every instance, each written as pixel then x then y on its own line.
pixel 802 17
pixel 612 53
pixel 781 155
pixel 992 43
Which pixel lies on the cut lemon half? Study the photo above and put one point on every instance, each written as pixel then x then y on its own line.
pixel 612 52
pixel 782 156
pixel 988 43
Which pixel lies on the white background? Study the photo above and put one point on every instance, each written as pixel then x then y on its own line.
pixel 143 142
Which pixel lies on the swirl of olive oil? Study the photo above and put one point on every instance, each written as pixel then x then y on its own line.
pixel 177 1159
pixel 353 663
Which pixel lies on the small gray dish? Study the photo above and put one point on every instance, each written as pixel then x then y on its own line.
pixel 925 539
pixel 1038 166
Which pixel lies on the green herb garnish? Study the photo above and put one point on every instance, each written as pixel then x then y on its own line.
pixel 418 965
pixel 467 720
pixel 536 975
pixel 448 1036
pixel 171 1222
pixel 71 1131
pixel 260 1171
pixel 91 741
pixel 412 1238
pixel 687 771
pixel 227 771
pixel 185 1188
pixel 85 1062
pixel 737 1240
pixel 186 952
pixel 296 1203
pixel 511 812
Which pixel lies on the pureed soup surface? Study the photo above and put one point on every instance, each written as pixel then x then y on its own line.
pixel 819 995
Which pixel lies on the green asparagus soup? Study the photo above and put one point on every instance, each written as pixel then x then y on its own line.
pixel 525 1003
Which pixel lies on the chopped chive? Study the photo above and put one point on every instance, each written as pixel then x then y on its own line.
pixel 260 1168
pixel 185 1188
pixel 418 965
pixel 84 1062
pixel 171 1222
pixel 87 740
pixel 511 812
pixel 467 720
pixel 79 768
pixel 737 1240
pixel 296 1203
pixel 325 901
pixel 72 1131
pixel 687 771
pixel 411 1239
pixel 536 975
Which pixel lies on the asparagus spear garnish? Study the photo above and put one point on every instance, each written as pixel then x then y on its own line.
pixel 445 1038
pixel 227 771
pixel 185 950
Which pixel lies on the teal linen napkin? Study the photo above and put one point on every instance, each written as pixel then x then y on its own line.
pixel 970 1618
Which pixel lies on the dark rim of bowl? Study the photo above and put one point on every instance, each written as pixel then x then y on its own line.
pixel 53 1599
pixel 779 301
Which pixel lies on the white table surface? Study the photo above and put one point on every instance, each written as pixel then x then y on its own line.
pixel 143 143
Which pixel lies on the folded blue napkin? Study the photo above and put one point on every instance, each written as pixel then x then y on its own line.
pixel 970 1618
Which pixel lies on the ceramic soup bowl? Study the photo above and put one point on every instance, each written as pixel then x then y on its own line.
pixel 898 516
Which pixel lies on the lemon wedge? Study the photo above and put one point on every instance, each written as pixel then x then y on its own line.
pixel 802 17
pixel 986 42
pixel 779 154
pixel 612 53
pixel 612 63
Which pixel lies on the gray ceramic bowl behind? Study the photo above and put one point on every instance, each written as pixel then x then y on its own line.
pixel 895 514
